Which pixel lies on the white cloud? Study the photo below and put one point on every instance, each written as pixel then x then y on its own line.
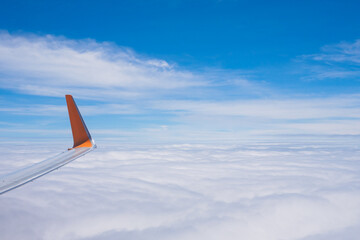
pixel 341 106
pixel 342 52
pixel 192 104
pixel 287 108
pixel 336 61
pixel 223 119
pixel 48 110
pixel 188 191
pixel 52 66
pixel 331 115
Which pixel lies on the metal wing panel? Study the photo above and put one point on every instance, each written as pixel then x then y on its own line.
pixel 25 175
pixel 83 143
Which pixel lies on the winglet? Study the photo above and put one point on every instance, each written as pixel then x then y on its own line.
pixel 81 135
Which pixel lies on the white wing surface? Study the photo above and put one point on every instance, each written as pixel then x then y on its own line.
pixel 83 143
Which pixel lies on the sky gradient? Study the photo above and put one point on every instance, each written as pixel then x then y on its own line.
pixel 179 69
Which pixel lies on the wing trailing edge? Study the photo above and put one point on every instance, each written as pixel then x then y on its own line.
pixel 83 143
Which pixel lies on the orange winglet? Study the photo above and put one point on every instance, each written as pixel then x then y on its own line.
pixel 81 135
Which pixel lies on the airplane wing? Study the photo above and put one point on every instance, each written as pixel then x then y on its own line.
pixel 83 143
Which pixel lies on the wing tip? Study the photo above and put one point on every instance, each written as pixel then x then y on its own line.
pixel 81 135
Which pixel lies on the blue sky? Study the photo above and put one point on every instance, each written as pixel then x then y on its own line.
pixel 232 34
pixel 181 70
pixel 213 119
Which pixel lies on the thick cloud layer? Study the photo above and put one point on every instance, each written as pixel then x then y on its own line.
pixel 239 191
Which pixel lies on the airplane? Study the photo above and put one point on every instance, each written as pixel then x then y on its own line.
pixel 83 144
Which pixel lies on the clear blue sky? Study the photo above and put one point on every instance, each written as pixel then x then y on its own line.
pixel 232 66
pixel 232 34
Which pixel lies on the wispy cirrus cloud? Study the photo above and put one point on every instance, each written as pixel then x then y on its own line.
pixel 344 52
pixel 49 65
pixel 331 115
pixel 281 109
pixel 336 61
pixel 52 66
pixel 49 110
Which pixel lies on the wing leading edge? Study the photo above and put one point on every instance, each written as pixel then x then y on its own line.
pixel 83 143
